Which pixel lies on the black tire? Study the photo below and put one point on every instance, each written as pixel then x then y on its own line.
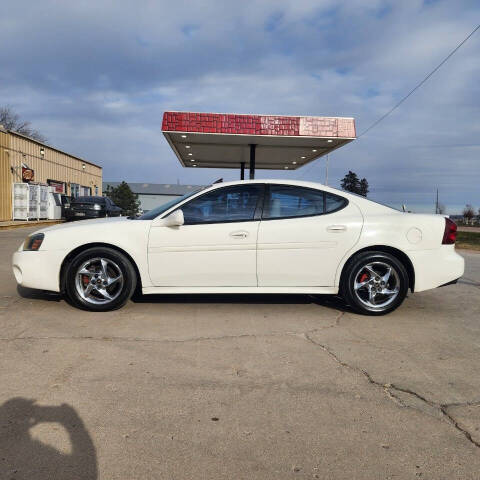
pixel 120 272
pixel 358 281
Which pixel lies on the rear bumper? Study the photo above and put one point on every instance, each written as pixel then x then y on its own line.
pixel 436 268
pixel 83 214
pixel 40 270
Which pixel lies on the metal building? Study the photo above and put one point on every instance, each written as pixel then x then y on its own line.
pixel 23 159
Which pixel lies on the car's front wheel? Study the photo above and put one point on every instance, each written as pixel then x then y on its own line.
pixel 374 283
pixel 100 279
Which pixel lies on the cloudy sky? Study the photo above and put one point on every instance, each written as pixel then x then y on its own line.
pixel 96 76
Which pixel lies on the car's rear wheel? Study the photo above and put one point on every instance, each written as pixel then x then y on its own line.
pixel 374 283
pixel 100 279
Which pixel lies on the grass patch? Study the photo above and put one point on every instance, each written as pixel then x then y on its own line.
pixel 469 240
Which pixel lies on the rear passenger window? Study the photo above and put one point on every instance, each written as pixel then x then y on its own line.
pixel 284 201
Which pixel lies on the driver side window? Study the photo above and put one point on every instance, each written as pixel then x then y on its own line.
pixel 230 204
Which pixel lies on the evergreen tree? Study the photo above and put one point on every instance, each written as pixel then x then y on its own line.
pixel 123 197
pixel 363 187
pixel 350 182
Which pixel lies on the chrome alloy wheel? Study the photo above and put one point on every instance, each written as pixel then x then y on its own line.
pixel 99 281
pixel 377 285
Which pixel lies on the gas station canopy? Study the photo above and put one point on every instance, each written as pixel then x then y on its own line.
pixel 225 140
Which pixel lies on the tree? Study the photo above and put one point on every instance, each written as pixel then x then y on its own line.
pixel 363 187
pixel 441 209
pixel 124 198
pixel 351 183
pixel 468 213
pixel 12 121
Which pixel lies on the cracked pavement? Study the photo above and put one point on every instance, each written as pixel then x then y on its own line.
pixel 240 386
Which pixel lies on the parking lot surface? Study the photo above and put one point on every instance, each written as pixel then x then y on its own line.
pixel 183 387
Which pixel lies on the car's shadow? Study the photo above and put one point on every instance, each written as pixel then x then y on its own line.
pixel 34 294
pixel 328 301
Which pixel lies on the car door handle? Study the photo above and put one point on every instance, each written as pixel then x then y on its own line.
pixel 336 228
pixel 241 234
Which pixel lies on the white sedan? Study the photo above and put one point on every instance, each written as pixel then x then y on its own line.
pixel 261 236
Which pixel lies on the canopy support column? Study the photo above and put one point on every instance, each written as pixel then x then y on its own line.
pixel 242 171
pixel 252 161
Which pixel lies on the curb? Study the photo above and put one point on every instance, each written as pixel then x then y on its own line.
pixel 12 226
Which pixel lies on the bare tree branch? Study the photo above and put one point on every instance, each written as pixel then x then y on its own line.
pixel 468 213
pixel 11 121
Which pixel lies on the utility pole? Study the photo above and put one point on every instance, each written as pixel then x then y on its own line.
pixel 326 169
pixel 436 203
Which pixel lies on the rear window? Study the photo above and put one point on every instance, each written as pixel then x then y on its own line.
pixel 89 200
pixel 287 201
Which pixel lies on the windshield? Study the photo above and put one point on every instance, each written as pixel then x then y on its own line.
pixel 150 215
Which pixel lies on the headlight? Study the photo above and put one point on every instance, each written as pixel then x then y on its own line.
pixel 33 242
pixel 97 207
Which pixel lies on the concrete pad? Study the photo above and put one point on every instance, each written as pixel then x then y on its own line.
pixel 229 408
pixel 428 345
pixel 467 418
pixel 238 386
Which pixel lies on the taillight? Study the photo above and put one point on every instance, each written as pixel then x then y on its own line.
pixel 450 234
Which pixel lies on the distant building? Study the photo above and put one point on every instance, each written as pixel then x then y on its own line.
pixel 153 195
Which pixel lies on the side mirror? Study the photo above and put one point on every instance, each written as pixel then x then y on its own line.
pixel 175 219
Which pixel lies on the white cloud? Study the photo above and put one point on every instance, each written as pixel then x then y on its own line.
pixel 97 76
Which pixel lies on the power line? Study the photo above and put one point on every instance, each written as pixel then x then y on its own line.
pixel 421 83
pixel 409 93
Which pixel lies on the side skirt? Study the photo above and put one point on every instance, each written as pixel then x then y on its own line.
pixel 260 290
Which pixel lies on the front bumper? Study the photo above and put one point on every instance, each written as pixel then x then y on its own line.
pixel 435 268
pixel 40 269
